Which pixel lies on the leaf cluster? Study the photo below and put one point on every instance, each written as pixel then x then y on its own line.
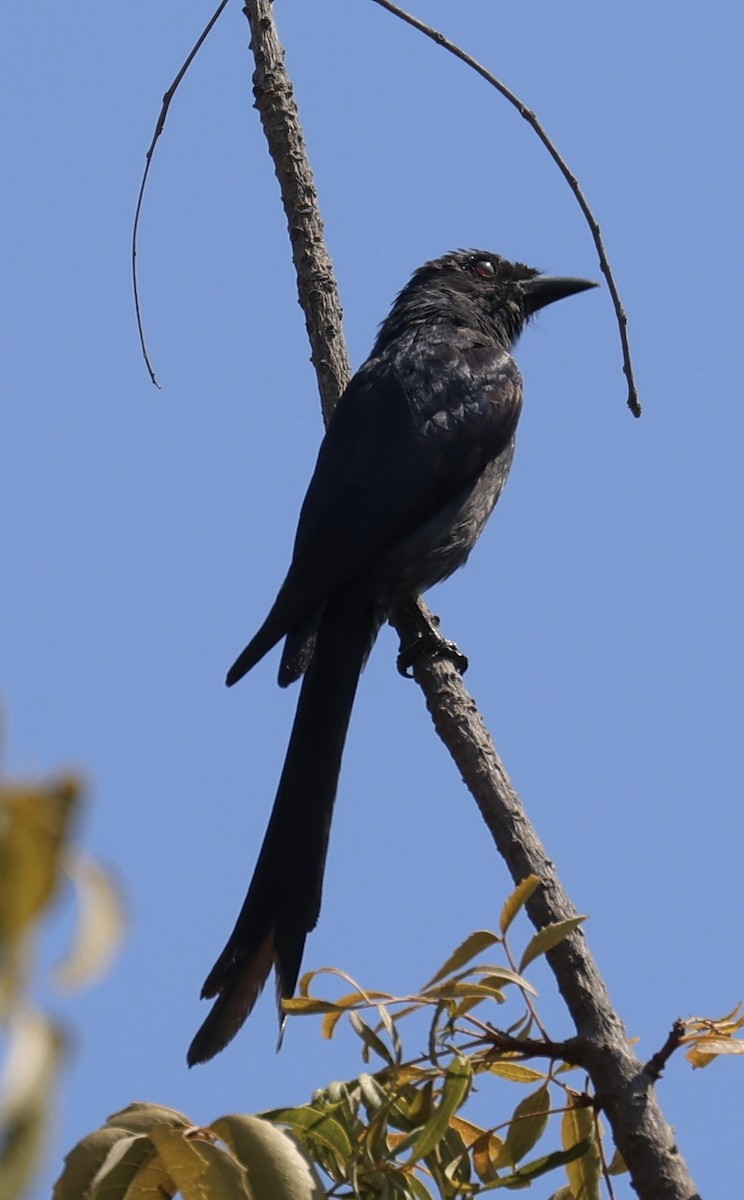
pixel 148 1152
pixel 38 862
pixel 399 1130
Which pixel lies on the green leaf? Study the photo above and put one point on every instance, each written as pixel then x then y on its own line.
pixel 457 1084
pixel 373 1095
pixel 416 1187
pixel 517 900
pixel 116 1175
pixel 140 1118
pixel 307 1120
pixel 371 1040
pixel 84 1161
pixel 540 1166
pixel 547 938
pixel 277 1168
pixel 526 1127
pixel 412 1109
pixel 473 945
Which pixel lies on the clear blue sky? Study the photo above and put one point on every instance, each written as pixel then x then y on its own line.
pixel 144 532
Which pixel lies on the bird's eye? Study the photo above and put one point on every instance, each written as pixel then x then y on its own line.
pixel 484 267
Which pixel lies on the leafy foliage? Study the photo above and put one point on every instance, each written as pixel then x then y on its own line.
pixel 399 1131
pixel 707 1037
pixel 396 1131
pixel 37 859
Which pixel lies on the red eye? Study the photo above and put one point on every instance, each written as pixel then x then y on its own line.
pixel 485 268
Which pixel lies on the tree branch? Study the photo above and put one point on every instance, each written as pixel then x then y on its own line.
pixel 623 1089
pixel 529 116
pixel 316 284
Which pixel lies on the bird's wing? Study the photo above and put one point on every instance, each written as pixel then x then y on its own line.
pixel 410 431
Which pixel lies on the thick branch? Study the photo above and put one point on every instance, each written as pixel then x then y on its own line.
pixel 623 1088
pixel 316 283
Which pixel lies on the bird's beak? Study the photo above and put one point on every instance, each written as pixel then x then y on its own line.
pixel 546 289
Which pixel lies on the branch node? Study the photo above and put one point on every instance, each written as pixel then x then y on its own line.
pixel 656 1064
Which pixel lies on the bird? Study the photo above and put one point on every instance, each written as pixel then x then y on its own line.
pixel 413 461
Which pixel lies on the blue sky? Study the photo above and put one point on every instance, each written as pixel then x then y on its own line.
pixel 144 533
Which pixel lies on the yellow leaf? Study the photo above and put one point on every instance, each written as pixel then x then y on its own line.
pixel 517 900
pixel 329 1023
pixel 705 1049
pixel 719 1045
pixel 486 1152
pixel 515 1072
pixel 35 1048
pixel 26 1098
pixel 731 1018
pixel 468 1131
pixel 101 923
pixel 199 1169
pixel 584 1173
pixel 617 1164
pixel 35 823
pixel 474 944
pixel 548 937
pixel 152 1182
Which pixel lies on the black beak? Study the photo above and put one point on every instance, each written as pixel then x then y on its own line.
pixel 546 289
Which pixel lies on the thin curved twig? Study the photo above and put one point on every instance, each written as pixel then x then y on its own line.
pixel 167 98
pixel 529 116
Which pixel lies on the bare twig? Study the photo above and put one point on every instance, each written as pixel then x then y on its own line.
pixel 656 1064
pixel 573 183
pixel 167 98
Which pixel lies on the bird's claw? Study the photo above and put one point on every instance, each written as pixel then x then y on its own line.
pixel 427 640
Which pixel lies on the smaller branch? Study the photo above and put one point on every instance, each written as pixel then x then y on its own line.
pixel 569 1051
pixel 656 1064
pixel 167 98
pixel 531 119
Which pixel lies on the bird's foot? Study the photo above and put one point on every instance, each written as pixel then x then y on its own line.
pixel 420 637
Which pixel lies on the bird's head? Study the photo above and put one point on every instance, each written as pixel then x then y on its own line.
pixel 478 286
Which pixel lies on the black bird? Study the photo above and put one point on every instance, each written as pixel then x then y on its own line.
pixel 413 461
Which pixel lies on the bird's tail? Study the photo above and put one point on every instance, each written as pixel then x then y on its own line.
pixel 283 900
